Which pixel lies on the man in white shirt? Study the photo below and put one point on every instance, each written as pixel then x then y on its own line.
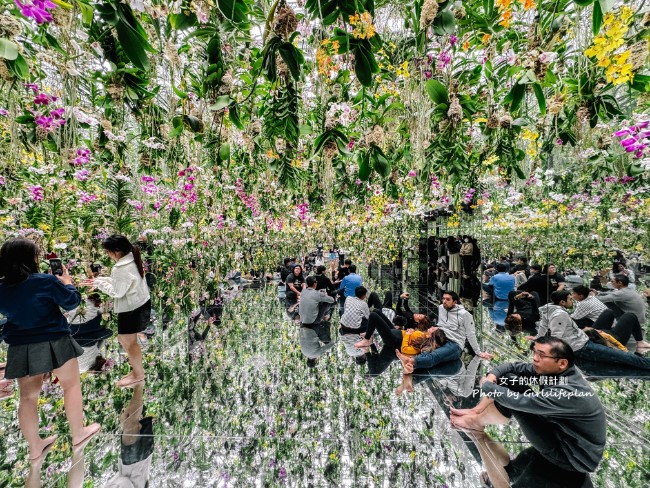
pixel 587 307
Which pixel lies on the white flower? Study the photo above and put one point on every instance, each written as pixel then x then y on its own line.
pixel 60 246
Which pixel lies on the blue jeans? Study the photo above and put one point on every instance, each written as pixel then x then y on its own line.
pixel 603 354
pixel 448 352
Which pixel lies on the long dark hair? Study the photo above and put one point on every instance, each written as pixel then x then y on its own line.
pixel 120 243
pixel 17 261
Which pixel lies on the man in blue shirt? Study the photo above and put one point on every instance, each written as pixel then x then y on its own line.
pixel 349 284
pixel 502 283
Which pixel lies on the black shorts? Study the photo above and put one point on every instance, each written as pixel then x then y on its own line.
pixel 134 321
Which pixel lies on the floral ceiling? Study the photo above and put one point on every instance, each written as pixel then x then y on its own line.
pixel 277 123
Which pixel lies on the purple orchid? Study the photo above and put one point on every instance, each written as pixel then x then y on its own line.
pixel 37 10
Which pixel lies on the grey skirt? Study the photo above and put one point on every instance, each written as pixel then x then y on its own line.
pixel 42 357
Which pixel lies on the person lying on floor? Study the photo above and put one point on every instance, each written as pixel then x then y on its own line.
pixel 557 411
pixel 458 325
pixel 410 342
pixel 556 320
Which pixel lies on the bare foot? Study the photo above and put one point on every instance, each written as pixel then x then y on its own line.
pixel 362 343
pixel 467 422
pixel 41 448
pixel 129 380
pixel 86 433
pixel 399 390
pixel 642 345
pixel 407 361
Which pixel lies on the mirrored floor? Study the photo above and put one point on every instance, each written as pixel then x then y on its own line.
pixel 241 408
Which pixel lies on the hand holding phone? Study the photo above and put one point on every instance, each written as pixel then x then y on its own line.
pixel 56 266
pixel 64 277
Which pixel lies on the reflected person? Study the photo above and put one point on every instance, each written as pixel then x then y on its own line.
pixel 136 447
pixel 314 311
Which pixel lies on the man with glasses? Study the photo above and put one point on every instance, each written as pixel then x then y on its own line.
pixel 556 410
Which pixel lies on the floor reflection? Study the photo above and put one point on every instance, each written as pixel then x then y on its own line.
pixel 245 410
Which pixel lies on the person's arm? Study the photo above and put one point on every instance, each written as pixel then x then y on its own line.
pixel 470 334
pixel 64 294
pixel 324 298
pixel 561 282
pixel 581 311
pixel 519 368
pixel 366 310
pixel 511 303
pixel 114 288
pixel 541 404
pixel 342 285
pixel 292 286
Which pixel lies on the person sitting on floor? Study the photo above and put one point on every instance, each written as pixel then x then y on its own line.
pixel 587 307
pixel 354 321
pixel 624 299
pixel 556 320
pixel 314 311
pixel 458 325
pixel 564 420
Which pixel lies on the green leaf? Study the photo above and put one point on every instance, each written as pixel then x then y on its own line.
pixel 221 102
pixel 362 67
pixel 437 92
pixel 132 44
pixel 364 166
pixel 515 96
pixel 597 19
pixel 194 124
pixel 224 152
pixel 444 23
pixel 641 83
pixel 292 58
pixel 539 93
pixel 86 13
pixel 380 162
pixel 8 49
pixel 584 3
pixel 233 115
pixel 19 67
pixel 179 93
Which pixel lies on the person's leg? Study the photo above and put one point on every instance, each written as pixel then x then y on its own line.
pixel 407 384
pixel 392 337
pixel 584 322
pixel 448 352
pixel 324 332
pixel 130 344
pixel 603 354
pixel 68 376
pixel 30 389
pixel 494 457
pixel 605 320
pixel 628 326
pixel 615 308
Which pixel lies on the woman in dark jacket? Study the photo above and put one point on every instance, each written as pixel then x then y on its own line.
pixel 39 340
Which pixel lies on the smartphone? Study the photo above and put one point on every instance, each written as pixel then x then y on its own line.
pixel 56 266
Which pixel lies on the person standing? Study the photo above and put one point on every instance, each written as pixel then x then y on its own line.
pixel 131 301
pixel 39 340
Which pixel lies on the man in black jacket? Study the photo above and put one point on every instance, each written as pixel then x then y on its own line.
pixel 556 409
pixel 537 282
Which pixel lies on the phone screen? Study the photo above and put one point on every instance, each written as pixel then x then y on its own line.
pixel 56 266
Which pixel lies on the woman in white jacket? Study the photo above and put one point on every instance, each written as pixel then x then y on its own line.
pixel 131 300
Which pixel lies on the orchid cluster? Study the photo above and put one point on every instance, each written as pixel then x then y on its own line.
pixel 39 10
pixel 249 200
pixel 635 139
